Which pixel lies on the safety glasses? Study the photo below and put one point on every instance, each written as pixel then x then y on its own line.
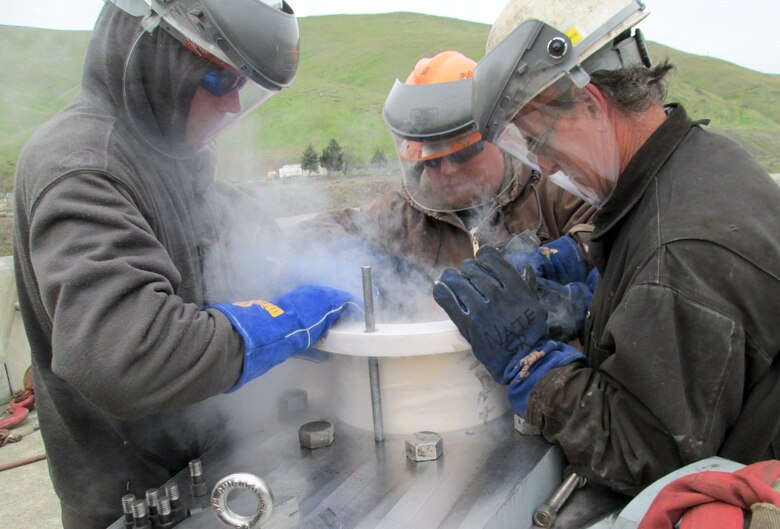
pixel 220 82
pixel 458 157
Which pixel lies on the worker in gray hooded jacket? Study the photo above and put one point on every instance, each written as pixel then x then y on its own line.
pixel 117 220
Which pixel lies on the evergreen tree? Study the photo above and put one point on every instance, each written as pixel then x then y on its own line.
pixel 310 161
pixel 332 157
pixel 379 160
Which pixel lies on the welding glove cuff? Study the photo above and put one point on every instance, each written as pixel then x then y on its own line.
pixel 291 323
pixel 494 308
pixel 522 376
pixel 560 260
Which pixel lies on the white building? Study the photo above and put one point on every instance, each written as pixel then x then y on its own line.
pixel 286 171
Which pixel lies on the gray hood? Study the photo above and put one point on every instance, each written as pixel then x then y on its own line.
pixel 145 80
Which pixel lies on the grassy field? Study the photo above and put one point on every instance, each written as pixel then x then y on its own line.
pixel 348 64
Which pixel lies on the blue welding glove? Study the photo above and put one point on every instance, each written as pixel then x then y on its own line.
pixel 494 308
pixel 523 376
pixel 289 324
pixel 566 306
pixel 498 312
pixel 560 260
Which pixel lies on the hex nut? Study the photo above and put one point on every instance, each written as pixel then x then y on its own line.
pixel 526 428
pixel 316 434
pixel 424 446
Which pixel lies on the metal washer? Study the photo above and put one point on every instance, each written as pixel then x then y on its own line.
pixel 251 483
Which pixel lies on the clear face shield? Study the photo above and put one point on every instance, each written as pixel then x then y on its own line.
pixel 532 98
pixel 446 166
pixel 223 98
pixel 237 55
pixel 567 136
pixel 453 174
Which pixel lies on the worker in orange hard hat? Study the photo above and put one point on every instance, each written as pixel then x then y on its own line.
pixel 446 165
pixel 457 191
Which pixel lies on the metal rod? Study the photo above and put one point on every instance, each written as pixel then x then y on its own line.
pixel 373 363
pixel 545 514
pixel 376 398
pixel 368 298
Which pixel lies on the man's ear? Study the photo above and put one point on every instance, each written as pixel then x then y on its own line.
pixel 598 96
pixel 597 105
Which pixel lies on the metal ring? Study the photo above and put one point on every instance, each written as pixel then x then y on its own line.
pixel 251 483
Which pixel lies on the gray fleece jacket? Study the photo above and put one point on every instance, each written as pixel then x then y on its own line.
pixel 115 219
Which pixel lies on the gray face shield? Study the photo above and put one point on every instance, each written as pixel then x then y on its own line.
pixel 445 164
pixel 249 49
pixel 531 98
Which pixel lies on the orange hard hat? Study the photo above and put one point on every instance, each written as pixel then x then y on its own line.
pixel 443 67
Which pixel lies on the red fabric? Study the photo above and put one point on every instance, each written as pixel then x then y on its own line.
pixel 14 416
pixel 713 500
pixel 714 515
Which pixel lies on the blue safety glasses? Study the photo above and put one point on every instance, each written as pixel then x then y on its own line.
pixel 221 82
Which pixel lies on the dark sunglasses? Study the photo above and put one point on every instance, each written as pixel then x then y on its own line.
pixel 221 82
pixel 459 157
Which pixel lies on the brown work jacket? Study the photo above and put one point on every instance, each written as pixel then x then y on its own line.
pixel 396 225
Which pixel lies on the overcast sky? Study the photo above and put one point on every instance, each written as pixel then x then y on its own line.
pixel 742 32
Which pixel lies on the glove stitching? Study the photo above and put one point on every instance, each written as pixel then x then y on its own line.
pixel 320 321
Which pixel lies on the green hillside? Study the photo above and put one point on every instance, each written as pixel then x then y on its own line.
pixel 348 64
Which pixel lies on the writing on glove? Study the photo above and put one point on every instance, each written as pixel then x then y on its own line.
pixel 496 309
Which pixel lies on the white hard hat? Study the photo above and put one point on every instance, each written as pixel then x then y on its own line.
pixel 534 43
pixel 579 20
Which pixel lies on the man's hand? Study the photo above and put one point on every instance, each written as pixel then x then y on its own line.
pixel 274 331
pixel 560 260
pixel 495 309
pixel 565 305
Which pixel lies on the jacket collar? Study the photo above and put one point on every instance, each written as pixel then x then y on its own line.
pixel 641 170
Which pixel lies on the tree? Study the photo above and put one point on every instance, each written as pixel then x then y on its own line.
pixel 352 163
pixel 310 161
pixel 332 157
pixel 378 160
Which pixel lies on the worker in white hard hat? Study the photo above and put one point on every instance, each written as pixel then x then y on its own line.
pixel 680 359
pixel 457 192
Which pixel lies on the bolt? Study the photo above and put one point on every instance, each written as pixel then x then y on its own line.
pixel 165 518
pixel 424 446
pixel 179 512
pixel 316 434
pixel 198 492
pixel 127 509
pixel 197 483
pixel 545 514
pixel 140 520
pixel 557 47
pixel 151 502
